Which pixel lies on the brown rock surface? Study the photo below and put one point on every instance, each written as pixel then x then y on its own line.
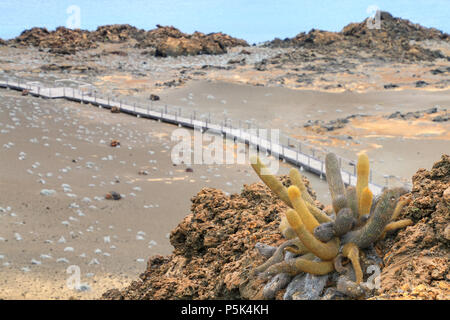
pixel 417 259
pixel 162 41
pixel 60 41
pixel 215 246
pixel 391 42
pixel 117 33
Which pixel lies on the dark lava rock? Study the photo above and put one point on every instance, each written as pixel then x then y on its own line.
pixel 242 61
pixel 60 41
pixel 391 42
pixel 390 86
pixel 162 41
pixel 431 110
pixel 154 97
pixel 421 84
pixel 440 71
pixel 112 195
pixel 443 118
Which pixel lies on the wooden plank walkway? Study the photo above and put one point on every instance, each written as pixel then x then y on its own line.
pixel 284 152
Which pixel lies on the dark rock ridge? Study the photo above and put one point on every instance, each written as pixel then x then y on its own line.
pixel 60 41
pixel 162 41
pixel 392 41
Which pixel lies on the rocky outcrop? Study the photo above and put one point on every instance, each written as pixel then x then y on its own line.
pixel 169 41
pixel 417 262
pixel 60 41
pixel 117 33
pixel 215 247
pixel 162 41
pixel 391 42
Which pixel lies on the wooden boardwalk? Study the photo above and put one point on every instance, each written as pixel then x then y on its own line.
pixel 285 152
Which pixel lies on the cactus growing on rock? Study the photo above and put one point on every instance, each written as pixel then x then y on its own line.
pixel 320 241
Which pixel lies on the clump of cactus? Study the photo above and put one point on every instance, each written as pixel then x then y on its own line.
pixel 319 243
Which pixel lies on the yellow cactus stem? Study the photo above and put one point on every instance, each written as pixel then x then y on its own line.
pixel 317 213
pixel 396 225
pixel 351 251
pixel 286 229
pixel 365 202
pixel 301 264
pixel 300 206
pixel 398 209
pixel 270 180
pixel 362 173
pixel 325 251
pixel 334 180
pixel 297 180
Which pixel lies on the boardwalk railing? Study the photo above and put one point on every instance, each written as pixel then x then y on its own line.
pixel 287 149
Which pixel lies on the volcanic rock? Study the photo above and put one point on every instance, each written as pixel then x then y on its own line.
pixel 60 41
pixel 391 42
pixel 162 41
pixel 214 248
pixel 416 260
